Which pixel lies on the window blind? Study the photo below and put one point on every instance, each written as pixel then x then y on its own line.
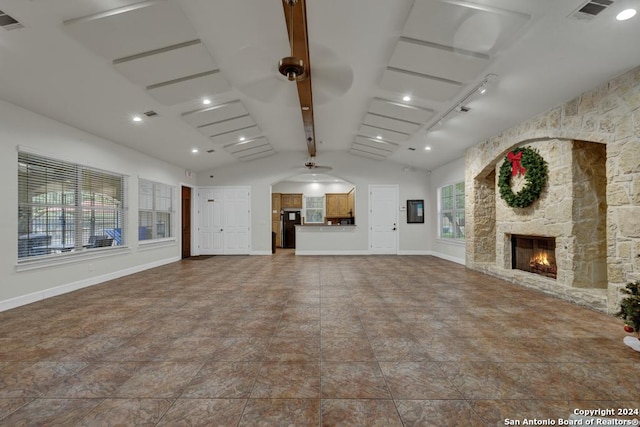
pixel 155 210
pixel 65 207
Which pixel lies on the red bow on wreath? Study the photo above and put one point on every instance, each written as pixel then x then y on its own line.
pixel 516 166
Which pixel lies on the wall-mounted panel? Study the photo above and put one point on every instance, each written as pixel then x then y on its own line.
pixel 189 88
pixel 226 126
pixel 248 150
pixel 463 25
pixel 235 135
pixel 401 111
pixel 215 114
pixel 396 125
pixel 434 61
pixel 386 134
pixel 133 29
pixel 421 86
pixel 167 64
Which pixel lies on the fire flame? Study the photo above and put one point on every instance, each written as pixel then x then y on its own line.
pixel 539 259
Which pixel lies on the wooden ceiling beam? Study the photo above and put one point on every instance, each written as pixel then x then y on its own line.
pixel 300 49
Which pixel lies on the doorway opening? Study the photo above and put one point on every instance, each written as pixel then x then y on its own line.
pixel 186 222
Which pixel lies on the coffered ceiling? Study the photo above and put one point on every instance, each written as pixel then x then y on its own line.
pixel 397 81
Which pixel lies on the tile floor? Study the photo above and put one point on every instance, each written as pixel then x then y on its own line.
pixel 296 341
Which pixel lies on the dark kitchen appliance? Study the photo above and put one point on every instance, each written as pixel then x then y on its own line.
pixel 290 220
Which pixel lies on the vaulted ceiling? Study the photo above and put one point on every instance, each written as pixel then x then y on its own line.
pixel 96 64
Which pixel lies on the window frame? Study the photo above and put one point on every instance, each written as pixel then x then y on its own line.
pixel 454 215
pixel 155 210
pixel 55 189
pixel 322 209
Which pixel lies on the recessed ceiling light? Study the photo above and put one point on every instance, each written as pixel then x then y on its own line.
pixel 194 150
pixel 482 89
pixel 206 101
pixel 137 119
pixel 406 98
pixel 428 148
pixel 379 137
pixel 242 138
pixel 626 14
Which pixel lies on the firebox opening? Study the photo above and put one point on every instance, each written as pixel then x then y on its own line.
pixel 534 254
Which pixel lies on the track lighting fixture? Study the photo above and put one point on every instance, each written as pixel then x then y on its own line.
pixel 460 106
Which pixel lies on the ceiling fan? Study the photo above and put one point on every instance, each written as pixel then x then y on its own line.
pixel 293 67
pixel 311 165
pixel 332 76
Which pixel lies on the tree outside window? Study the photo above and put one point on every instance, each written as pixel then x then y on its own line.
pixel 155 210
pixel 451 212
pixel 65 207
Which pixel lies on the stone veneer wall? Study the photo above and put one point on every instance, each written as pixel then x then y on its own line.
pixel 608 115
pixel 589 214
pixel 549 216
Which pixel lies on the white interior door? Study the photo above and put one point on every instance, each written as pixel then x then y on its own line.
pixel 383 219
pixel 236 221
pixel 224 221
pixel 211 225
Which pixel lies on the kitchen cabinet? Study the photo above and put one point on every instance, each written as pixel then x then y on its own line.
pixel 291 201
pixel 275 207
pixel 337 205
pixel 275 216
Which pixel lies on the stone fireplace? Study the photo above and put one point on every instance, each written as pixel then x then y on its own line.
pixel 589 210
pixel 534 254
pixel 558 244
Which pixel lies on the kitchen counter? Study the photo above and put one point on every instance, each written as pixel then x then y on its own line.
pixel 323 239
pixel 325 225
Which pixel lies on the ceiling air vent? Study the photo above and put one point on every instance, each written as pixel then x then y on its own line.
pixel 9 22
pixel 590 9
pixel 150 113
pixel 211 151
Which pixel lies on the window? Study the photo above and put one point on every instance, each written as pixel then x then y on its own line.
pixel 314 209
pixel 451 214
pixel 156 209
pixel 65 207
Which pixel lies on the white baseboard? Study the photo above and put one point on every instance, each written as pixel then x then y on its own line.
pixel 448 257
pixel 260 253
pixel 360 252
pixel 331 252
pixel 414 252
pixel 70 287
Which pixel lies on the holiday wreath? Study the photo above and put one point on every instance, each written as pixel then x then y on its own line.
pixel 522 161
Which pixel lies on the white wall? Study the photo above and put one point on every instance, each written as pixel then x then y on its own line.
pixel 261 174
pixel 450 173
pixel 19 127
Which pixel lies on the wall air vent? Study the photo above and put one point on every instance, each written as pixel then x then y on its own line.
pixel 590 9
pixel 9 22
